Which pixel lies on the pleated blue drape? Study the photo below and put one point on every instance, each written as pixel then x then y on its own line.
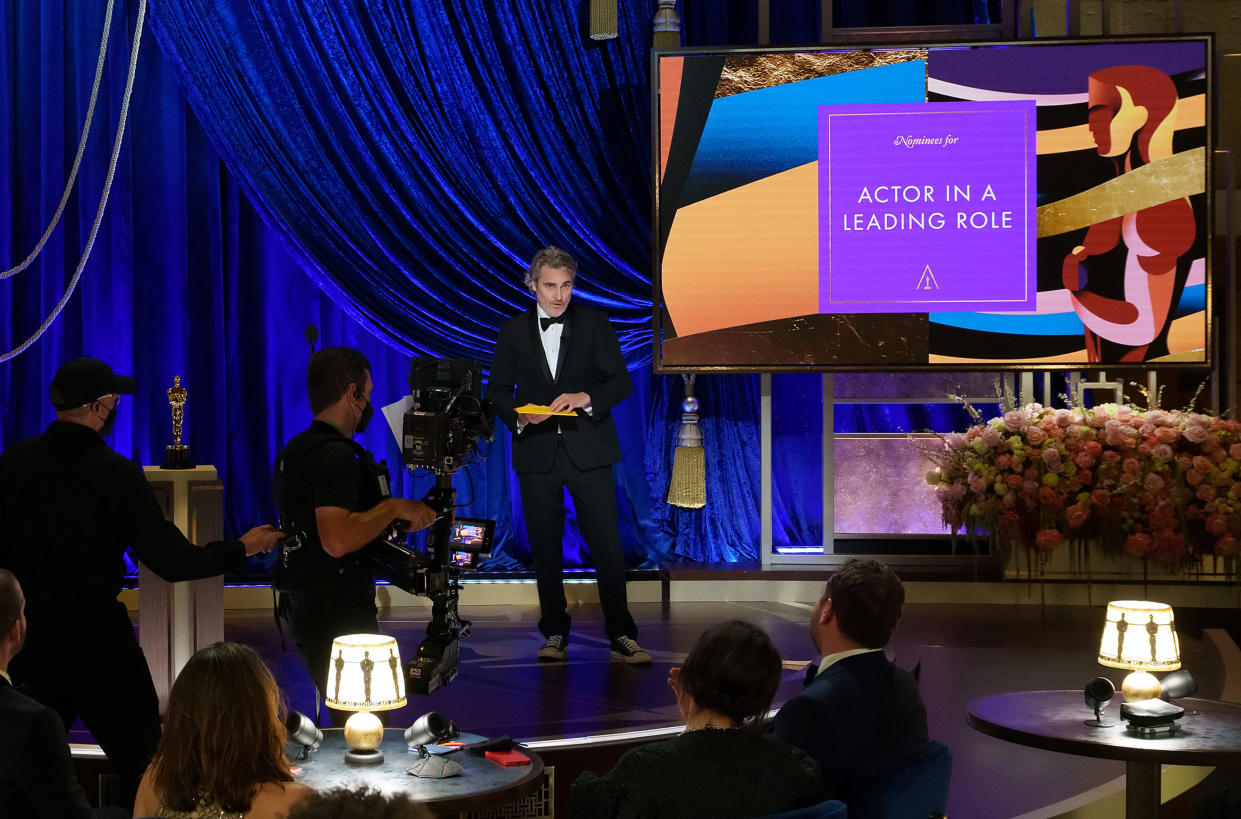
pixel 379 170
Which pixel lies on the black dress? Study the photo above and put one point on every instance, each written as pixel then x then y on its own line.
pixel 716 773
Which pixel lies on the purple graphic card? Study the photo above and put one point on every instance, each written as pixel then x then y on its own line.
pixel 927 207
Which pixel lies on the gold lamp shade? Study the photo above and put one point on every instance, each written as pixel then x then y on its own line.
pixel 364 675
pixel 1141 636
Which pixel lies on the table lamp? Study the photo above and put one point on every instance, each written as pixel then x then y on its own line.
pixel 1140 636
pixel 364 675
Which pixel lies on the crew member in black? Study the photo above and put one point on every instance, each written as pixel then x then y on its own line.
pixel 327 492
pixel 69 508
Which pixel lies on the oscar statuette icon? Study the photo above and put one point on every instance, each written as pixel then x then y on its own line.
pixel 178 455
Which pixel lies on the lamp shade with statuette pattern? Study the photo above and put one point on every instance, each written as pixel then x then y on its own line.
pixel 1141 636
pixel 364 675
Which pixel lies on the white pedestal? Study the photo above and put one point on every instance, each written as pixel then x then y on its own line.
pixel 177 619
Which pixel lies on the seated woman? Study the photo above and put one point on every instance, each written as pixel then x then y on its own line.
pixel 222 751
pixel 723 765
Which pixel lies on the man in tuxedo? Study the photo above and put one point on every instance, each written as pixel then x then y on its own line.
pixel 36 772
pixel 566 358
pixel 859 711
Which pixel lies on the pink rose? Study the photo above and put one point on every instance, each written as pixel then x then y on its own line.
pixel 1193 477
pixel 1014 420
pixel 1202 463
pixel 1003 461
pixel 1167 435
pixel 1063 417
pixel 1077 515
pixel 1226 546
pixel 1153 483
pixel 1124 413
pixel 1234 451
pixel 1169 546
pixel 1216 524
pixel 1111 456
pixel 1205 492
pixel 1049 498
pixel 1100 497
pixel 977 485
pixel 1048 539
pixel 1035 436
pixel 1195 433
pixel 1218 455
pixel 1130 465
pixel 991 437
pixel 1014 481
pixel 1161 452
pixel 1085 477
pixel 1138 544
pixel 1146 430
pixel 1084 459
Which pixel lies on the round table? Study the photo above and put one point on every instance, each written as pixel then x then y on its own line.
pixel 1208 734
pixel 483 784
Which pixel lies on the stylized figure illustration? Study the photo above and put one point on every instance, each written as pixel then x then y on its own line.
pixel 1132 116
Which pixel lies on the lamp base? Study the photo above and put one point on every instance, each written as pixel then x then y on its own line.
pixel 1140 685
pixel 355 757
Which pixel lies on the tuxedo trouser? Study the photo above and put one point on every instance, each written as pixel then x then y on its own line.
pixel 594 498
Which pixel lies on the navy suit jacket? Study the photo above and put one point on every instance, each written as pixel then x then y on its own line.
pixel 36 771
pixel 590 362
pixel 861 713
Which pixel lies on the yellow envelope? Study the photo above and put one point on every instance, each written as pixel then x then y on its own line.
pixel 535 409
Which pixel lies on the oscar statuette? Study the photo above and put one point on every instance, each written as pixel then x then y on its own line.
pixel 178 455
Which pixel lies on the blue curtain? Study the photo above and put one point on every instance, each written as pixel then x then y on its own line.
pixel 382 174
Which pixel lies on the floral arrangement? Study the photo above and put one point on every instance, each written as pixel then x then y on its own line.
pixel 1155 484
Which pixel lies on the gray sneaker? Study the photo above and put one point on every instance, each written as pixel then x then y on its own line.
pixel 556 648
pixel 627 650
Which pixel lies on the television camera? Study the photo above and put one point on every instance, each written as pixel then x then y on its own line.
pixel 443 430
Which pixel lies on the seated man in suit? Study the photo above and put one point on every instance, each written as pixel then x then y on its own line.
pixel 36 772
pixel 860 711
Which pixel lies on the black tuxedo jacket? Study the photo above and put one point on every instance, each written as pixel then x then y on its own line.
pixel 861 713
pixel 590 362
pixel 36 771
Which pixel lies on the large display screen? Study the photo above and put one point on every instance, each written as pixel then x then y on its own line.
pixel 1026 204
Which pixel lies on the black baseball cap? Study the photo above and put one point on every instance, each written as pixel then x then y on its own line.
pixel 82 380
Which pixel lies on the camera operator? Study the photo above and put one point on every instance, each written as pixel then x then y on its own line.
pixel 69 508
pixel 333 504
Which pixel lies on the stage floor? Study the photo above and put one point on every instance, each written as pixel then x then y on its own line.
pixel 964 651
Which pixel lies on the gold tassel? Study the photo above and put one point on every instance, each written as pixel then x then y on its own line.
pixel 603 25
pixel 666 26
pixel 688 485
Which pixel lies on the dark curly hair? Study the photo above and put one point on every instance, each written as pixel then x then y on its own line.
pixel 362 803
pixel 734 670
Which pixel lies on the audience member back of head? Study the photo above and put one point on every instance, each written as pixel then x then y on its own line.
pixel 723 765
pixel 222 750
pixel 861 711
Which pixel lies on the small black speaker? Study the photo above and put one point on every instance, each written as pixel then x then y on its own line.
pixel 1098 693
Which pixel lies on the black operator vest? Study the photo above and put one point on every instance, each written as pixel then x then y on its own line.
pixel 303 566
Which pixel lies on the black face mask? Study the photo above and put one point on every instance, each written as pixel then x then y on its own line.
pixel 368 412
pixel 107 423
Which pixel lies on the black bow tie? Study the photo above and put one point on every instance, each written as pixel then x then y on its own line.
pixel 548 322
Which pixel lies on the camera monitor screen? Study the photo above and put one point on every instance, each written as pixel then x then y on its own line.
pixel 471 535
pixel 1026 204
